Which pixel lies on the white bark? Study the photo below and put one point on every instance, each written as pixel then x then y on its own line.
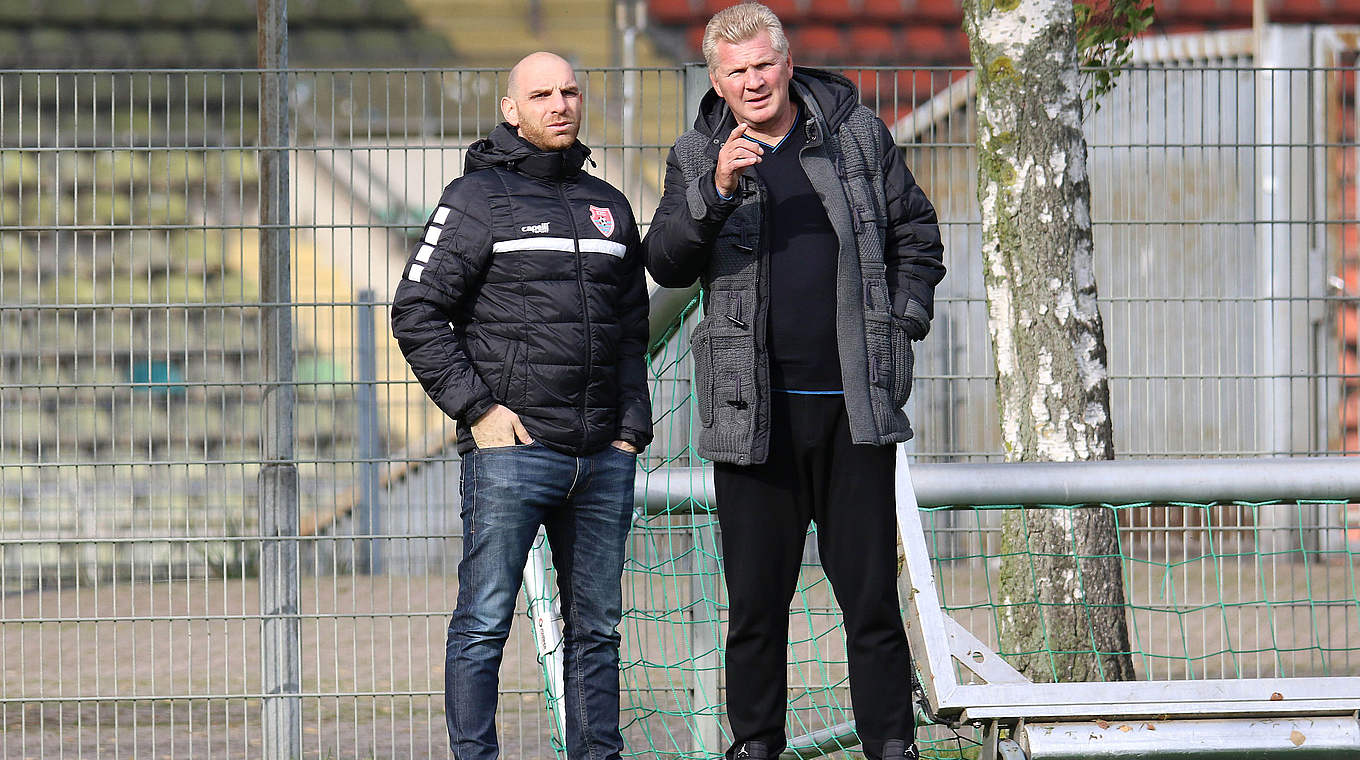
pixel 1063 616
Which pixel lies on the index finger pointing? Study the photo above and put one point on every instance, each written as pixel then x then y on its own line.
pixel 738 131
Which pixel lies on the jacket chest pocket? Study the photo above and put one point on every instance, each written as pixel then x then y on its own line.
pixel 891 359
pixel 724 371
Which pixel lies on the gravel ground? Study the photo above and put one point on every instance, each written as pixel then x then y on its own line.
pixel 95 671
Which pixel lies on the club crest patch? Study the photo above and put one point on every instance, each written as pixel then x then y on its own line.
pixel 603 219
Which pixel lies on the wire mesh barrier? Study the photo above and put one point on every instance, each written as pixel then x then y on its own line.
pixel 1217 600
pixel 1208 603
pixel 133 375
pixel 1230 590
pixel 131 389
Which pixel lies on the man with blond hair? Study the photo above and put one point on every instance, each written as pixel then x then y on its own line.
pixel 523 313
pixel 819 256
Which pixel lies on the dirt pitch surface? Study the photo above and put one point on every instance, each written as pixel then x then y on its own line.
pixel 172 670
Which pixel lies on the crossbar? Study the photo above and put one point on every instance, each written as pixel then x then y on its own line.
pixel 1010 701
pixel 1256 738
pixel 678 489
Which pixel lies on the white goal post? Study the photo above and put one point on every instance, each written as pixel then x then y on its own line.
pixel 1148 719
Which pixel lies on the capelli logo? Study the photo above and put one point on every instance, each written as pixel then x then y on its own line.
pixel 543 227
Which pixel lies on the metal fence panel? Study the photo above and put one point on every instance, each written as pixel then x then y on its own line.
pixel 132 374
pixel 1223 210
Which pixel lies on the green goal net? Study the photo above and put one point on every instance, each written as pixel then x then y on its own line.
pixel 1213 590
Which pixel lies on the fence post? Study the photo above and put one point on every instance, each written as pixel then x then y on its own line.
pixel 368 555
pixel 1282 236
pixel 705 687
pixel 696 84
pixel 280 647
pixel 630 16
pixel 1282 259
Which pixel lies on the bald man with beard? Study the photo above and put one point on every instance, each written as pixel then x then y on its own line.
pixel 537 267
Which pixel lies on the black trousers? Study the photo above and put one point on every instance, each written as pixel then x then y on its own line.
pixel 815 473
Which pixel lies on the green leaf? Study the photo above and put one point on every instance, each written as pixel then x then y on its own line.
pixel 1105 31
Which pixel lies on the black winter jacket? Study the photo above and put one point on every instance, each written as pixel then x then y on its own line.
pixel 889 261
pixel 527 290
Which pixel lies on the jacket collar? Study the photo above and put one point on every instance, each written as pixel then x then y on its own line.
pixel 505 147
pixel 828 98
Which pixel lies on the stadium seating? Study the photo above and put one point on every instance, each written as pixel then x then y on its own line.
pixel 15 12
pixel 817 43
pixel 161 47
pixel 120 13
pixel 140 343
pixel 941 12
pixel 13 52
pixel 345 12
pixel 905 88
pixel 322 46
pixel 218 34
pixel 391 13
pixel 934 44
pixel 875 44
pixel 882 10
pixel 781 7
pixel 694 35
pixel 834 11
pixel 1203 10
pixel 175 13
pixel 927 32
pixel 228 13
pixel 108 48
pixel 69 13
pixel 672 12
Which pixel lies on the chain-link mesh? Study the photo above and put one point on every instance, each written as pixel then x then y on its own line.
pixel 131 384
pixel 1235 590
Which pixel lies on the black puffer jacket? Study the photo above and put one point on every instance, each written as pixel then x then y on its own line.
pixel 537 267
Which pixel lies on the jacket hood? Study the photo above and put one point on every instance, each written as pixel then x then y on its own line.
pixel 504 147
pixel 829 93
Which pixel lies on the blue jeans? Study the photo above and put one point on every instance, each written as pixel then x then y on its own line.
pixel 586 505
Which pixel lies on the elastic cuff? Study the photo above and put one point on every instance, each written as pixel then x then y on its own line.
pixel 704 199
pixel 919 320
pixel 717 199
pixel 634 438
pixel 479 408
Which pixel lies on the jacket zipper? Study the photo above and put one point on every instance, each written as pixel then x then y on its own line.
pixel 759 321
pixel 507 373
pixel 585 310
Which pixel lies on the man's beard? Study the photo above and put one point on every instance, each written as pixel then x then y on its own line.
pixel 540 137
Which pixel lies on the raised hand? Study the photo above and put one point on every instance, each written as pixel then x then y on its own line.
pixel 736 155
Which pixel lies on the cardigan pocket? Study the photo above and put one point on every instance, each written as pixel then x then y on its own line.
pixel 904 361
pixel 701 384
pixel 725 385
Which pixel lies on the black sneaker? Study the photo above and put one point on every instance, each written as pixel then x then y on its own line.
pixel 895 749
pixel 749 751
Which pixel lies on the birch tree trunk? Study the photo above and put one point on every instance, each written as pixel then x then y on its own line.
pixel 1062 594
